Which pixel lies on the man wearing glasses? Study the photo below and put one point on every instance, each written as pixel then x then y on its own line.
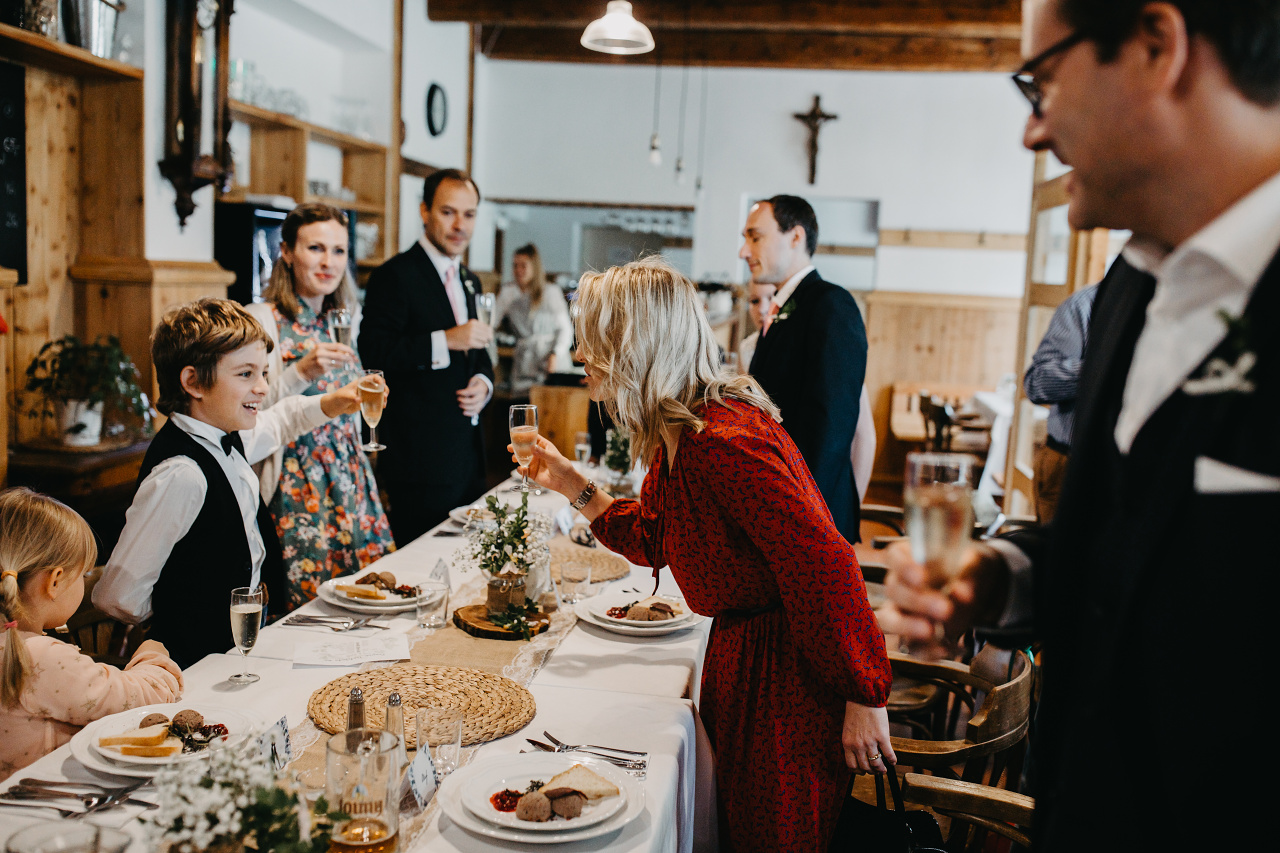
pixel 1169 114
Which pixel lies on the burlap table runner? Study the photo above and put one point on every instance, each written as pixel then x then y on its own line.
pixel 518 660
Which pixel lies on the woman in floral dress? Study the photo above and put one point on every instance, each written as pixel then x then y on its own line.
pixel 796 675
pixel 320 488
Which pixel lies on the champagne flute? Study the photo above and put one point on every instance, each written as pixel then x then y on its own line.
pixel 485 303
pixel 938 511
pixel 246 619
pixel 372 398
pixel 340 326
pixel 582 449
pixel 524 432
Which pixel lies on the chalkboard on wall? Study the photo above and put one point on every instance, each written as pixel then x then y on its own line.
pixel 13 170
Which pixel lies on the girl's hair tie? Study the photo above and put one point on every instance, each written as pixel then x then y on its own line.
pixel 8 573
pixel 9 625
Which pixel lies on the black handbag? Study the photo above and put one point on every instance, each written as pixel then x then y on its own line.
pixel 878 829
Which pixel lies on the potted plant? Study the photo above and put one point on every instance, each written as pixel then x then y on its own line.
pixel 617 458
pixel 508 551
pixel 77 380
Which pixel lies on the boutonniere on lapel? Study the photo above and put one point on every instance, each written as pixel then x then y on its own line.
pixel 466 282
pixel 786 310
pixel 1227 370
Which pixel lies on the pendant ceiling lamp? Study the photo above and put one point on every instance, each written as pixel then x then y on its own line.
pixel 617 32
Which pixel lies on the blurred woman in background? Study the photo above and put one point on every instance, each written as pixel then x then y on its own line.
pixel 536 314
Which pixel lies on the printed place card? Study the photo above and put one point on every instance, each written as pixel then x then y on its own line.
pixel 422 777
pixel 275 742
pixel 351 651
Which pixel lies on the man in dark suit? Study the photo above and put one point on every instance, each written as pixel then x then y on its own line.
pixel 1170 115
pixel 420 329
pixel 813 356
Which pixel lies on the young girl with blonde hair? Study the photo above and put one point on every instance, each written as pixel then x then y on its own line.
pixel 796 675
pixel 48 690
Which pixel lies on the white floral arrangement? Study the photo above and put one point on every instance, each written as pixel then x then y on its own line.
pixel 516 539
pixel 237 798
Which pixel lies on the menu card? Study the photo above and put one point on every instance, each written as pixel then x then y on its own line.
pixel 351 651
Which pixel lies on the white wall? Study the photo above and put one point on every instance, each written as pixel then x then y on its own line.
pixel 939 151
pixel 165 240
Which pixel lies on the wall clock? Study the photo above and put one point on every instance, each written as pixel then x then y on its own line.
pixel 437 109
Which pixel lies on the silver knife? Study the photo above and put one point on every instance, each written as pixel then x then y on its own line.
pixel 117 796
pixel 630 764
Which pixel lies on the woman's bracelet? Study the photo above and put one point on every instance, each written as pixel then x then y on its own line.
pixel 584 497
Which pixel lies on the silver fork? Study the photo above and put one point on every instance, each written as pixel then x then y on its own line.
pixel 89 801
pixel 561 746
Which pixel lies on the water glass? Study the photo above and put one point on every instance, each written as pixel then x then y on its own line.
pixel 431 600
pixel 575 582
pixel 582 449
pixel 363 779
pixel 442 728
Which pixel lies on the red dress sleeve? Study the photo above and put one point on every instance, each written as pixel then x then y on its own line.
pixel 630 527
pixel 751 471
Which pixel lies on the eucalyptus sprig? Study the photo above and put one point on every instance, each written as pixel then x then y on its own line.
pixel 515 618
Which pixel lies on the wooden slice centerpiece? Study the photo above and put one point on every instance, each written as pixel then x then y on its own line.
pixel 474 619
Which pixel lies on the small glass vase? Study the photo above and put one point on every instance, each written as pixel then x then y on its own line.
pixel 505 588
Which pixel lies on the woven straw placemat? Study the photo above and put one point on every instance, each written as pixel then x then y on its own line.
pixel 605 566
pixel 492 706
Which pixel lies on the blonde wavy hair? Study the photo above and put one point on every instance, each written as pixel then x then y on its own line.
pixel 36 533
pixel 642 332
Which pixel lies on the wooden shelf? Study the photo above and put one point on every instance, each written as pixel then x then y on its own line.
pixel 28 48
pixel 367 207
pixel 8 277
pixel 252 115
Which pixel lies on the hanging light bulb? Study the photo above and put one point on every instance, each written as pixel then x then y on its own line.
pixel 655 150
pixel 617 32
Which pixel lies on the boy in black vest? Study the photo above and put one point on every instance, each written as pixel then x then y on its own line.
pixel 197 528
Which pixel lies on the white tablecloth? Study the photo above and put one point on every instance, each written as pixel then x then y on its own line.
pixel 597 687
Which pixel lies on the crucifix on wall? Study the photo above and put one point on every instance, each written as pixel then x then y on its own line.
pixel 814 120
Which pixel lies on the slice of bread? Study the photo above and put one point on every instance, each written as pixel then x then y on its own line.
pixel 150 736
pixel 171 746
pixel 675 606
pixel 363 591
pixel 591 785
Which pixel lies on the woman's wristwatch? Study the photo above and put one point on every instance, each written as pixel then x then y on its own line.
pixel 584 497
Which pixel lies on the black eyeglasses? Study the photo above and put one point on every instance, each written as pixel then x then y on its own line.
pixel 1024 78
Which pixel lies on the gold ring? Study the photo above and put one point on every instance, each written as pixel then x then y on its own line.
pixel 875 757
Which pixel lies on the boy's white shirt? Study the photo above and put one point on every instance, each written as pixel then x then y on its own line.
pixel 172 495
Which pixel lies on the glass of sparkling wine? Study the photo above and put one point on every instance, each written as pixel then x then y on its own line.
pixel 582 448
pixel 372 398
pixel 246 619
pixel 524 432
pixel 938 509
pixel 340 326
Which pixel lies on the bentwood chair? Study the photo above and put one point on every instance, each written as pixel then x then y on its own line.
pixel 101 637
pixel 978 809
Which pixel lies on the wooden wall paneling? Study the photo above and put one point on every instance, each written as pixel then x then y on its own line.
pixel 128 299
pixel 278 161
pixel 562 412
pixel 917 239
pixel 8 279
pixel 44 308
pixel 929 337
pixel 111 171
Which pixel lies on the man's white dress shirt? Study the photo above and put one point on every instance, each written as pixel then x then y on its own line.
pixel 451 274
pixel 1215 269
pixel 172 495
pixel 784 293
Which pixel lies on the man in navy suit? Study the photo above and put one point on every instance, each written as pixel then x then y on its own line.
pixel 813 357
pixel 420 329
pixel 1169 114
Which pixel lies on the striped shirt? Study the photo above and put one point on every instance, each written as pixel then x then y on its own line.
pixel 1055 368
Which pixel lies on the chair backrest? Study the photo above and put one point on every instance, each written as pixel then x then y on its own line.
pixel 939 421
pixel 998 723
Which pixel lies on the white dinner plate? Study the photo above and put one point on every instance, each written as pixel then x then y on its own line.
pixel 601 604
pixel 236 721
pixel 614 625
pixel 516 773
pixel 330 595
pixel 393 603
pixel 450 799
pixel 458 515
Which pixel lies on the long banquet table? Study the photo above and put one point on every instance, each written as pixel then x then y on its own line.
pixel 597 687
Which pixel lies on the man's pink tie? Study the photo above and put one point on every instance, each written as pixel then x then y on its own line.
pixel 456 299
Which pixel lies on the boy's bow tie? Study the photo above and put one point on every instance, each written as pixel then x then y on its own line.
pixel 231 441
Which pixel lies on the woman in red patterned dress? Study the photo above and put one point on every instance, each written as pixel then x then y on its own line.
pixel 796 674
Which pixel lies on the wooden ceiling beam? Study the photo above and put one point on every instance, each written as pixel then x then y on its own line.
pixel 831 51
pixel 951 18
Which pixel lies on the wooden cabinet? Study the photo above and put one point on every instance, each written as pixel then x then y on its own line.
pixel 278 166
